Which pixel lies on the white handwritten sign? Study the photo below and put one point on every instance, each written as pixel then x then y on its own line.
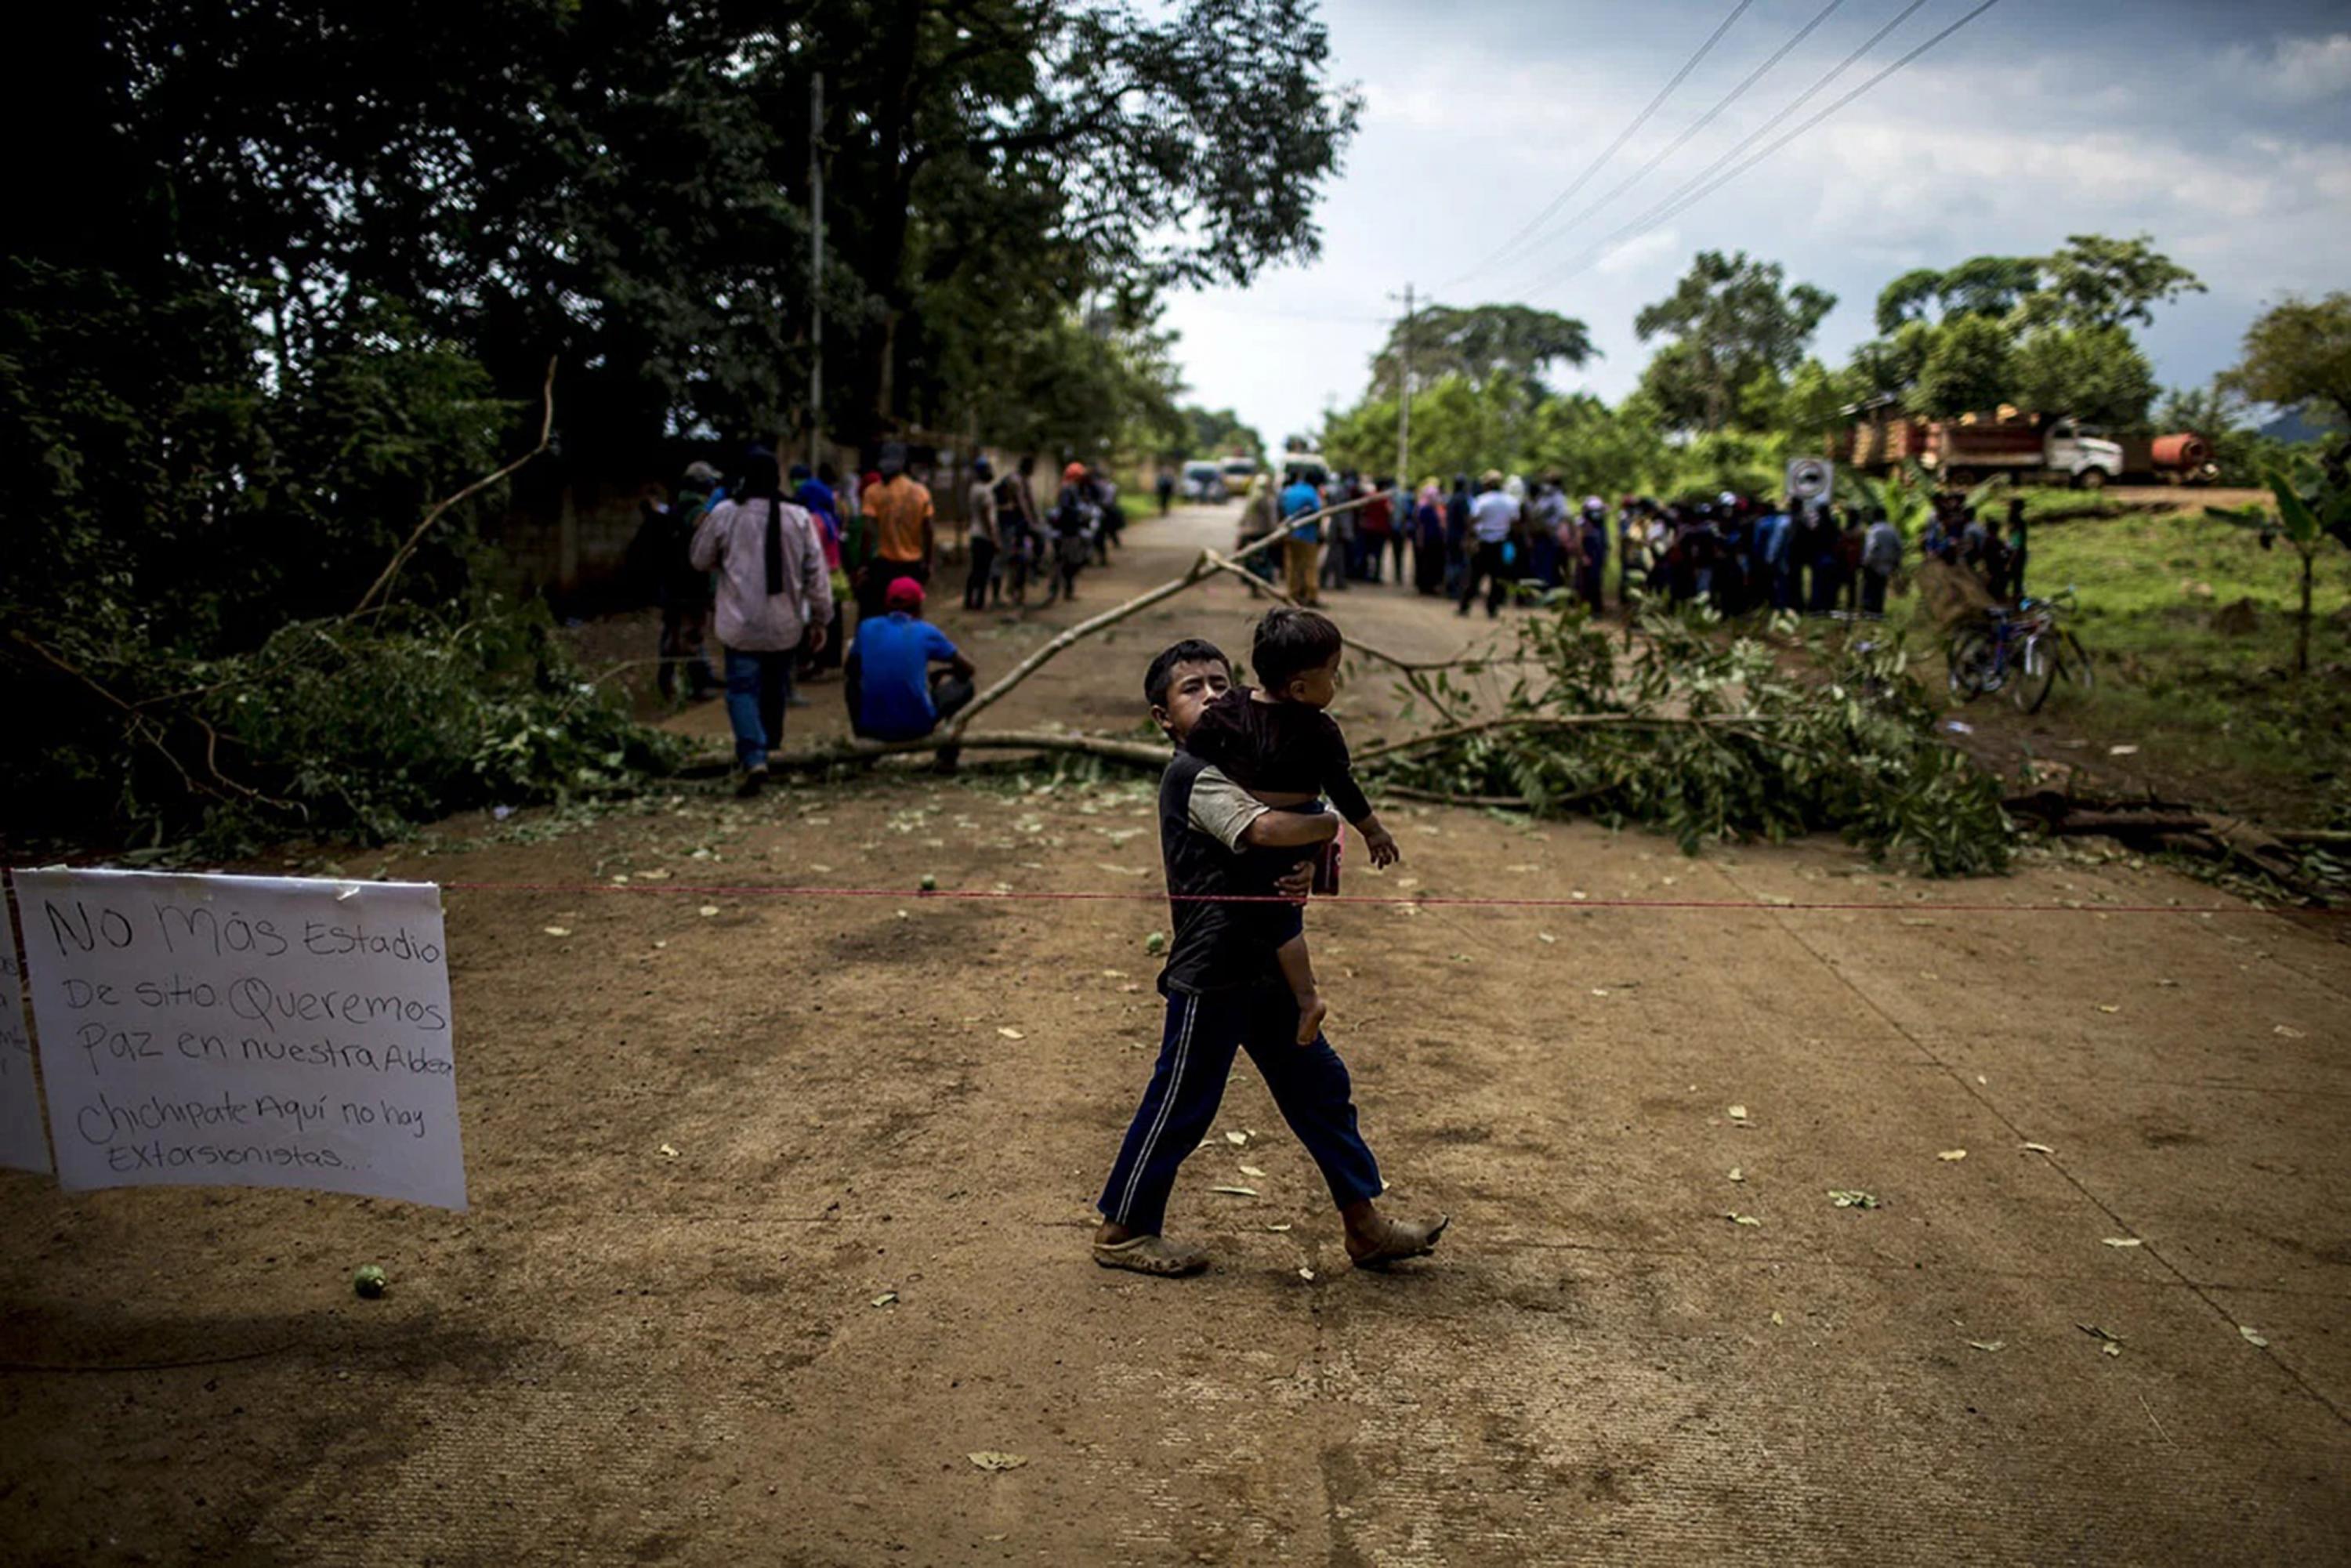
pixel 250 1032
pixel 22 1147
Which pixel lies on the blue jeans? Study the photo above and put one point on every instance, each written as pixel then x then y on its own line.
pixel 756 686
pixel 1309 1083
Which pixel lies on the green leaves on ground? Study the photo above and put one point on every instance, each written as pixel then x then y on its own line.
pixel 1710 736
pixel 357 730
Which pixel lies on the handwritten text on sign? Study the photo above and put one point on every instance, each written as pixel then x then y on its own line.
pixel 255 1031
pixel 22 1147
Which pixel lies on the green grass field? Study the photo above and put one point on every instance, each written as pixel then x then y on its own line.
pixel 2223 710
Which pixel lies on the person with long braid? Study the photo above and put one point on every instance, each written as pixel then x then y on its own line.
pixel 774 597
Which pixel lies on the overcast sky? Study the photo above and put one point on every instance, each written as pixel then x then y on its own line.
pixel 2221 128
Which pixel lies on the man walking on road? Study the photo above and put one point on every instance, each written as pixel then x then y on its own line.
pixel 1226 994
pixel 1300 546
pixel 1493 518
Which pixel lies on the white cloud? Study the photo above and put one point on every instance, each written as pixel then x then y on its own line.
pixel 2296 70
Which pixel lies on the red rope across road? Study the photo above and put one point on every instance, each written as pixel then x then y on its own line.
pixel 784 890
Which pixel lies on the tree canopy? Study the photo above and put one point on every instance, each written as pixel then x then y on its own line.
pixel 1967 367
pixel 1217 432
pixel 2297 354
pixel 1729 317
pixel 1729 393
pixel 2095 282
pixel 2095 373
pixel 1983 286
pixel 1479 344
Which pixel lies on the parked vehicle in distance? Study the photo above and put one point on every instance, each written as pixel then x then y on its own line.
pixel 1202 482
pixel 1308 465
pixel 1237 473
pixel 2026 448
pixel 2181 457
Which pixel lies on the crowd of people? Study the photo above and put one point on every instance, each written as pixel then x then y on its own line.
pixel 769 561
pixel 1737 553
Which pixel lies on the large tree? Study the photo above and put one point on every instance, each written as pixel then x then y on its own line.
pixel 1479 344
pixel 1132 151
pixel 1968 367
pixel 2095 373
pixel 625 182
pixel 1730 318
pixel 1982 285
pixel 2297 354
pixel 2095 281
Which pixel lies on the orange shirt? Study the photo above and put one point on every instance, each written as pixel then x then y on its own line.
pixel 899 507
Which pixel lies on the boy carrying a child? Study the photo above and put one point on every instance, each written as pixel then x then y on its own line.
pixel 1228 986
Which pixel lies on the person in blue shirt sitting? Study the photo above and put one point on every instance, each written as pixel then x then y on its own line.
pixel 894 693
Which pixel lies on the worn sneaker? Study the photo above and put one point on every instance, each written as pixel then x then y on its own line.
pixel 754 780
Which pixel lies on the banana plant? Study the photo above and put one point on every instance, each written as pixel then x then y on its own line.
pixel 1908 495
pixel 2313 505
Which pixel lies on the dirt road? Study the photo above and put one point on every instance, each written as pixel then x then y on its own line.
pixel 865 1260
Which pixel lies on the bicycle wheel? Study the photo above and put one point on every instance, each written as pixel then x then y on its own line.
pixel 2030 675
pixel 2068 661
pixel 1969 654
pixel 2074 665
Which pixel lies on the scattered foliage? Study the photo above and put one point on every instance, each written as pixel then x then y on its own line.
pixel 337 730
pixel 1712 738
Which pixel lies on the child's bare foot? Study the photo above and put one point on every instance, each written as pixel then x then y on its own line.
pixel 1311 1010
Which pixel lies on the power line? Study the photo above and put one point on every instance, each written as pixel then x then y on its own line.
pixel 1622 136
pixel 1703 121
pixel 1692 190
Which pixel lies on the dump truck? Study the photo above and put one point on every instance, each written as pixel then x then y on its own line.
pixel 2029 449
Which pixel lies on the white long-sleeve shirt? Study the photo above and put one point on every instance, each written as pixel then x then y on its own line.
pixel 733 538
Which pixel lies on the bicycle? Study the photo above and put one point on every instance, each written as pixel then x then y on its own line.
pixel 2023 652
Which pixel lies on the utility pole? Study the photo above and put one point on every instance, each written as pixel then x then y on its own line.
pixel 1404 407
pixel 816 272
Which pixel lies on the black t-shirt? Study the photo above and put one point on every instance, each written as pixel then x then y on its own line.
pixel 1216 946
pixel 1284 747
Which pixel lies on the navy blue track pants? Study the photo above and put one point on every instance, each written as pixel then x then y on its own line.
pixel 1309 1083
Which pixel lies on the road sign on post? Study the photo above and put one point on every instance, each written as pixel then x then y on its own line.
pixel 1810 479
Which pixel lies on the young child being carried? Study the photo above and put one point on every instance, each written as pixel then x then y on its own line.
pixel 1275 742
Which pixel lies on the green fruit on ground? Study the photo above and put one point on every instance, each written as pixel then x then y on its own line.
pixel 1154 942
pixel 930 882
pixel 369 1280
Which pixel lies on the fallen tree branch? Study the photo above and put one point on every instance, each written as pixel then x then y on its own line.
pixel 383 584
pixel 1566 721
pixel 1085 629
pixel 2123 824
pixel 144 728
pixel 1199 572
pixel 1410 666
pixel 1486 802
pixel 1139 753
